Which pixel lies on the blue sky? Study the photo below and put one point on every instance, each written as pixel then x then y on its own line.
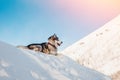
pixel 32 21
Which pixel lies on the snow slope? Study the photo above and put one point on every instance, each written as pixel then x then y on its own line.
pixel 99 50
pixel 16 64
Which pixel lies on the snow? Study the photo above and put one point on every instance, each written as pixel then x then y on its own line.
pixel 21 64
pixel 99 50
pixel 4 63
pixel 3 73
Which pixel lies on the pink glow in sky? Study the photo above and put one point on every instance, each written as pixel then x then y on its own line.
pixel 90 10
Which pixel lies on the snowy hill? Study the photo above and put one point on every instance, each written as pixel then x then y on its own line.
pixel 100 50
pixel 16 64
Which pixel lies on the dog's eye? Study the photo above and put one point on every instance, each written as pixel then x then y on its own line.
pixel 55 39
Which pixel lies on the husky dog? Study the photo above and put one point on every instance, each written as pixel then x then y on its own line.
pixel 49 47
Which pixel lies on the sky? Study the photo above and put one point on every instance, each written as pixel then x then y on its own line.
pixel 32 21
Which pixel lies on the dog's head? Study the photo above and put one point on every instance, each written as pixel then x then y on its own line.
pixel 54 40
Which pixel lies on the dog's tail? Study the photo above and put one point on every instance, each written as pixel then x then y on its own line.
pixel 22 47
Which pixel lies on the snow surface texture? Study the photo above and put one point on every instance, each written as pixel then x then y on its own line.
pixel 16 64
pixel 100 50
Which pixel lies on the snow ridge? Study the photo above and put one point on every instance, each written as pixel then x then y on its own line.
pixel 99 50
pixel 20 64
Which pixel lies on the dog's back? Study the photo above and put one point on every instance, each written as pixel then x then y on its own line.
pixel 42 47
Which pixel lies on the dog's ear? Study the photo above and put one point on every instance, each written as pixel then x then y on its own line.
pixel 54 35
pixel 49 38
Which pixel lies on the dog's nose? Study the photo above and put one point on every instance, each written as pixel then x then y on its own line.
pixel 61 42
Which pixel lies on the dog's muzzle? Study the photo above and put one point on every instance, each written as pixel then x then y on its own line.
pixel 59 43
